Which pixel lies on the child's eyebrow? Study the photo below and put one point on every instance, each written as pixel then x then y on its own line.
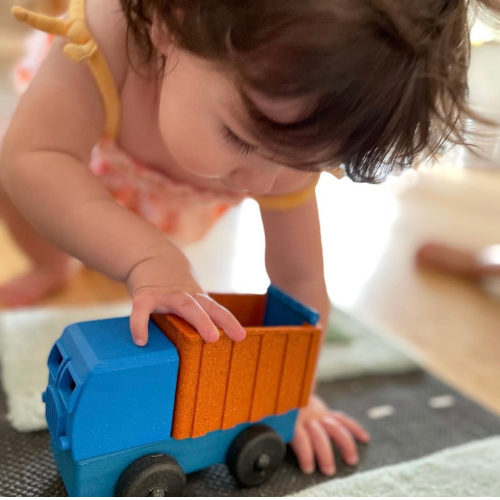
pixel 246 120
pixel 249 113
pixel 285 112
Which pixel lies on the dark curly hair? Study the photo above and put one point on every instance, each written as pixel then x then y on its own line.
pixel 389 77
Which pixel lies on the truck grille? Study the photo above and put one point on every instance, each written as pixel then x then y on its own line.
pixel 55 413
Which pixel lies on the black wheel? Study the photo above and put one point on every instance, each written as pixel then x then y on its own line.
pixel 152 476
pixel 255 455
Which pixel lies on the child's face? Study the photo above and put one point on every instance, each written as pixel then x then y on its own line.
pixel 201 121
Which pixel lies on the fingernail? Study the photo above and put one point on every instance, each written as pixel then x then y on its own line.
pixel 330 471
pixel 140 342
pixel 353 461
pixel 308 470
pixel 213 337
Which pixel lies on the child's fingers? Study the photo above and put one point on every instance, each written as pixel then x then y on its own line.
pixel 303 449
pixel 221 317
pixel 322 446
pixel 186 306
pixel 353 427
pixel 342 438
pixel 142 307
pixel 180 303
pixel 198 309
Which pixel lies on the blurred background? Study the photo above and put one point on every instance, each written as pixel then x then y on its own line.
pixel 370 236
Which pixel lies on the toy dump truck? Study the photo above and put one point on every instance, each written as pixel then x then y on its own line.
pixel 132 421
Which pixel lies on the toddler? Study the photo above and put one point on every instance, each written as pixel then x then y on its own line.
pixel 183 108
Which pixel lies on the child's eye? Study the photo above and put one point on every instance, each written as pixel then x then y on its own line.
pixel 239 144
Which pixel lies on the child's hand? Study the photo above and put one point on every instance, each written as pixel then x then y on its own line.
pixel 317 426
pixel 165 286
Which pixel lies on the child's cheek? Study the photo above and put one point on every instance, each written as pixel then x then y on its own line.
pixel 191 145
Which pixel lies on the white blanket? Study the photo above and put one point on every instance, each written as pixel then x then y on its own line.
pixel 470 470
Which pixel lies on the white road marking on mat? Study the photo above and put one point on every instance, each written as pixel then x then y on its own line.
pixel 446 401
pixel 381 412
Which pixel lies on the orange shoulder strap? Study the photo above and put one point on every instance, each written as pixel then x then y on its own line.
pixel 287 201
pixel 81 47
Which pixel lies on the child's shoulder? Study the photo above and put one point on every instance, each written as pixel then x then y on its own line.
pixel 107 25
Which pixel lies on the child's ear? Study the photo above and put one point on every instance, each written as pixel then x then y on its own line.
pixel 161 38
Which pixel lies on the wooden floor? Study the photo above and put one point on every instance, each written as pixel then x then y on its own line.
pixel 370 236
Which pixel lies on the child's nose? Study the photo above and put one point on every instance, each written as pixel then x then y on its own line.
pixel 254 180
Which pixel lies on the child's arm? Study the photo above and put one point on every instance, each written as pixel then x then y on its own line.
pixel 294 255
pixel 43 167
pixel 294 262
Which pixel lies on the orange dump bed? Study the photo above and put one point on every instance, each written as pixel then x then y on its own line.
pixel 224 384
